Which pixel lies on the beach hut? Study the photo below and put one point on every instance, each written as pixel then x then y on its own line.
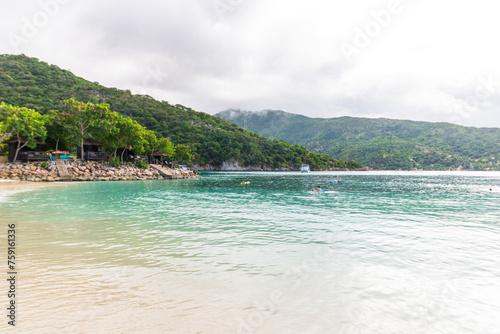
pixel 92 150
pixel 130 155
pixel 26 153
pixel 158 158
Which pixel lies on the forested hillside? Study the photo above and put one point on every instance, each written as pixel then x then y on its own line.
pixel 380 143
pixel 28 82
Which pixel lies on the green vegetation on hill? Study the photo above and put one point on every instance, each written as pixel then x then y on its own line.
pixel 30 83
pixel 79 121
pixel 380 143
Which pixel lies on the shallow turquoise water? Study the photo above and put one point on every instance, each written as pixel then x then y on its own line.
pixel 376 253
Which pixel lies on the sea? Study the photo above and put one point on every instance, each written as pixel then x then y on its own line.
pixel 375 253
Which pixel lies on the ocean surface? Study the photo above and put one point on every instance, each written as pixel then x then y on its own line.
pixel 379 252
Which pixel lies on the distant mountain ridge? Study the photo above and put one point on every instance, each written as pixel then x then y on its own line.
pixel 380 143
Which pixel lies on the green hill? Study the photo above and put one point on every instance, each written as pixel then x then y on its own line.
pixel 28 82
pixel 380 143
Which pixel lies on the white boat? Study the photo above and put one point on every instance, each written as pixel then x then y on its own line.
pixel 305 169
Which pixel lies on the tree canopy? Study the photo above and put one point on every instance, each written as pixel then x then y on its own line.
pixel 88 121
pixel 25 125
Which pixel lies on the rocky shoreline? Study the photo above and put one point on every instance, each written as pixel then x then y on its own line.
pixel 88 171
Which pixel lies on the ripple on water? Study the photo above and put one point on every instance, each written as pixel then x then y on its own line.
pixel 376 253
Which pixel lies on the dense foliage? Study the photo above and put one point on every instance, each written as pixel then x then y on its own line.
pixel 381 143
pixel 75 124
pixel 23 124
pixel 27 82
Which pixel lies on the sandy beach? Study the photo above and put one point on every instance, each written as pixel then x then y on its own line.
pixel 11 186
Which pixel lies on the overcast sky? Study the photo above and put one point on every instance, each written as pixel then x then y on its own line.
pixel 420 60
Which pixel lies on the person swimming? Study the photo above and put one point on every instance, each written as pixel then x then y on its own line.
pixel 318 189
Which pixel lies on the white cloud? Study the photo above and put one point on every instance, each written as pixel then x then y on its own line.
pixel 424 62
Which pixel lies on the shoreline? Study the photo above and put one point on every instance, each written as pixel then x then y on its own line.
pixel 49 172
pixel 382 171
pixel 10 187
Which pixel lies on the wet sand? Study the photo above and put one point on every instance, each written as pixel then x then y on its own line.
pixel 11 186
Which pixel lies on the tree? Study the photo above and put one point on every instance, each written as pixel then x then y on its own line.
pixel 83 117
pixel 134 136
pixel 56 127
pixel 117 131
pixel 5 130
pixel 162 145
pixel 183 153
pixel 166 147
pixel 351 164
pixel 25 125
pixel 110 133
pixel 151 141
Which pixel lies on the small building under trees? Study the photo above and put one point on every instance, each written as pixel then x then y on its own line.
pixel 130 155
pixel 26 153
pixel 92 150
pixel 158 158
